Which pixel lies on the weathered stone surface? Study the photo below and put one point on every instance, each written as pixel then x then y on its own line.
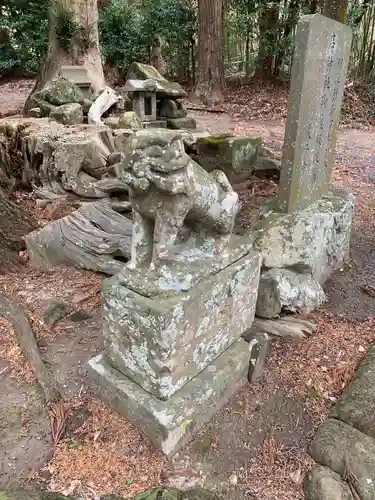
pixel 258 352
pixel 170 108
pixel 357 404
pixel 283 289
pixel 170 424
pixel 315 240
pixel 55 311
pixel 180 123
pixel 130 120
pixel 155 124
pixel 267 167
pixel 343 448
pixel 79 76
pixel 68 114
pixel 322 483
pixel 120 138
pixel 165 88
pixel 235 156
pixel 161 343
pixel 61 91
pixel 87 103
pixel 319 69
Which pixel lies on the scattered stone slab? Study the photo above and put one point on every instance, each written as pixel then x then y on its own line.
pixel 287 290
pixel 235 156
pixel 321 483
pixel 301 250
pixel 55 311
pixel 170 424
pixel 357 404
pixel 345 450
pixel 93 237
pixel 68 114
pixel 61 91
pixel 258 353
pixel 130 120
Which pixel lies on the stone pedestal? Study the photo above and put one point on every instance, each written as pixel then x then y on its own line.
pixel 171 360
pixel 170 424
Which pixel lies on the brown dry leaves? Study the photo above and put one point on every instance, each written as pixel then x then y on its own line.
pixel 106 454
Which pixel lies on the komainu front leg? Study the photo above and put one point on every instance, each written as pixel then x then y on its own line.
pixel 142 241
pixel 167 227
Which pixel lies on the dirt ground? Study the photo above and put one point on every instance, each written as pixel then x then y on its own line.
pixel 255 448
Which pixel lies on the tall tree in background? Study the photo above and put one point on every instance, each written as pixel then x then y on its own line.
pixel 268 38
pixel 210 75
pixel 73 40
pixel 336 9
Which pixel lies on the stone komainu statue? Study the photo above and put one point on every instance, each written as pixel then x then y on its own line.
pixel 169 191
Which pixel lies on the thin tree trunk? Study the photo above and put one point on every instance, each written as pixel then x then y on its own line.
pixel 336 9
pixel 268 23
pixel 84 48
pixel 290 24
pixel 210 78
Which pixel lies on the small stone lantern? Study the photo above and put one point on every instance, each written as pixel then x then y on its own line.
pixel 144 98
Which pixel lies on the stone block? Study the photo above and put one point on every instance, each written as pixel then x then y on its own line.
pixel 320 62
pixel 235 156
pixel 144 106
pixel 357 403
pixel 79 76
pixel 342 448
pixel 120 138
pixel 61 91
pixel 35 113
pixel 155 124
pixel 283 289
pixel 68 114
pixel 322 483
pixel 180 123
pixel 315 240
pixel 170 424
pixel 258 353
pixel 129 119
pixel 112 122
pixel 163 342
pixel 170 108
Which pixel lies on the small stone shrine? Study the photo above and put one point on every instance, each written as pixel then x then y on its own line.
pixel 144 99
pixel 170 112
pixel 174 316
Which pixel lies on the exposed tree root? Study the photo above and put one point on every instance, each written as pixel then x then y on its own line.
pixel 288 327
pixel 15 315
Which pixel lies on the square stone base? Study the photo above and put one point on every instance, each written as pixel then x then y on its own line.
pixel 155 124
pixel 172 423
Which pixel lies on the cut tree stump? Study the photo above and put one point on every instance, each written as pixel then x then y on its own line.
pixel 93 237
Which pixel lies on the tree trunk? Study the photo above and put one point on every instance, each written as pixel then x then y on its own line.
pixel 336 9
pixel 291 21
pixel 15 223
pixel 73 40
pixel 268 24
pixel 210 78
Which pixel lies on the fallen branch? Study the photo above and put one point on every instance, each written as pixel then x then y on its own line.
pixel 208 110
pixel 288 327
pixel 15 315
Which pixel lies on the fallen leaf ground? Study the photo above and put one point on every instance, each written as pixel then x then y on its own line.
pixel 255 447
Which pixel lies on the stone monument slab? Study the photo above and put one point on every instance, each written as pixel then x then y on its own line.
pixel 320 65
